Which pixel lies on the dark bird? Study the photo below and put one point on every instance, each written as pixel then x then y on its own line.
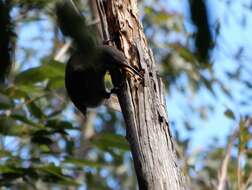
pixel 88 63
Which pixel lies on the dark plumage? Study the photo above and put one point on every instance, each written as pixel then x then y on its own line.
pixel 88 63
pixel 84 81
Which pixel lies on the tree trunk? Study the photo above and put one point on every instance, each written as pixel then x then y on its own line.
pixel 142 102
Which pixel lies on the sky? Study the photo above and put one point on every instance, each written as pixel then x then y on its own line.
pixel 232 36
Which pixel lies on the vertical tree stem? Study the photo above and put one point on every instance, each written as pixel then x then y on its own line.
pixel 142 102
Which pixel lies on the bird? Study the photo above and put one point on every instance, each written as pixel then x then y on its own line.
pixel 88 62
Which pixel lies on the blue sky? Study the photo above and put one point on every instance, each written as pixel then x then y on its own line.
pixel 232 36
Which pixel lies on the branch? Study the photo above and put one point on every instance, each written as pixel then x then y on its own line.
pixel 60 55
pixel 142 103
pixel 224 167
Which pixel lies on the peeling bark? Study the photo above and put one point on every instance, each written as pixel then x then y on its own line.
pixel 142 102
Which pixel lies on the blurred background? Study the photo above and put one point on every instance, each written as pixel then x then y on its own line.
pixel 202 53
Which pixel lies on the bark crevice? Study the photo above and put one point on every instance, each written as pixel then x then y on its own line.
pixel 143 105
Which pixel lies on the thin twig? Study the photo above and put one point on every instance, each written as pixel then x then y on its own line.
pixel 224 167
pixel 239 170
pixel 26 102
pixel 249 181
pixel 60 54
pixel 247 124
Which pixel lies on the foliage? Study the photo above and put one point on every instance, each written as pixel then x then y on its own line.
pixel 46 143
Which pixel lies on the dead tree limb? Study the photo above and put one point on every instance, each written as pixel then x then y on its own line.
pixel 142 103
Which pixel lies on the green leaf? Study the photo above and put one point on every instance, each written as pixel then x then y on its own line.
pixel 244 135
pixel 5 102
pixel 161 17
pixel 53 174
pixel 24 119
pixel 6 124
pixel 6 168
pixel 82 162
pixel 23 91
pixel 5 153
pixel 183 52
pixel 54 70
pixel 109 140
pixel 56 83
pixel 16 130
pixel 229 113
pixel 57 124
pixel 35 110
pixel 28 90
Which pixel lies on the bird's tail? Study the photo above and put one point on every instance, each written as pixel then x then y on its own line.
pixel 73 25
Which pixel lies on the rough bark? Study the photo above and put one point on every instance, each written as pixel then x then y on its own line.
pixel 142 102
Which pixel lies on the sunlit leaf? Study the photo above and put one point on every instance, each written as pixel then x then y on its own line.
pixel 58 124
pixel 109 140
pixel 184 52
pixel 24 119
pixel 51 71
pixel 83 162
pixel 230 114
pixel 54 174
